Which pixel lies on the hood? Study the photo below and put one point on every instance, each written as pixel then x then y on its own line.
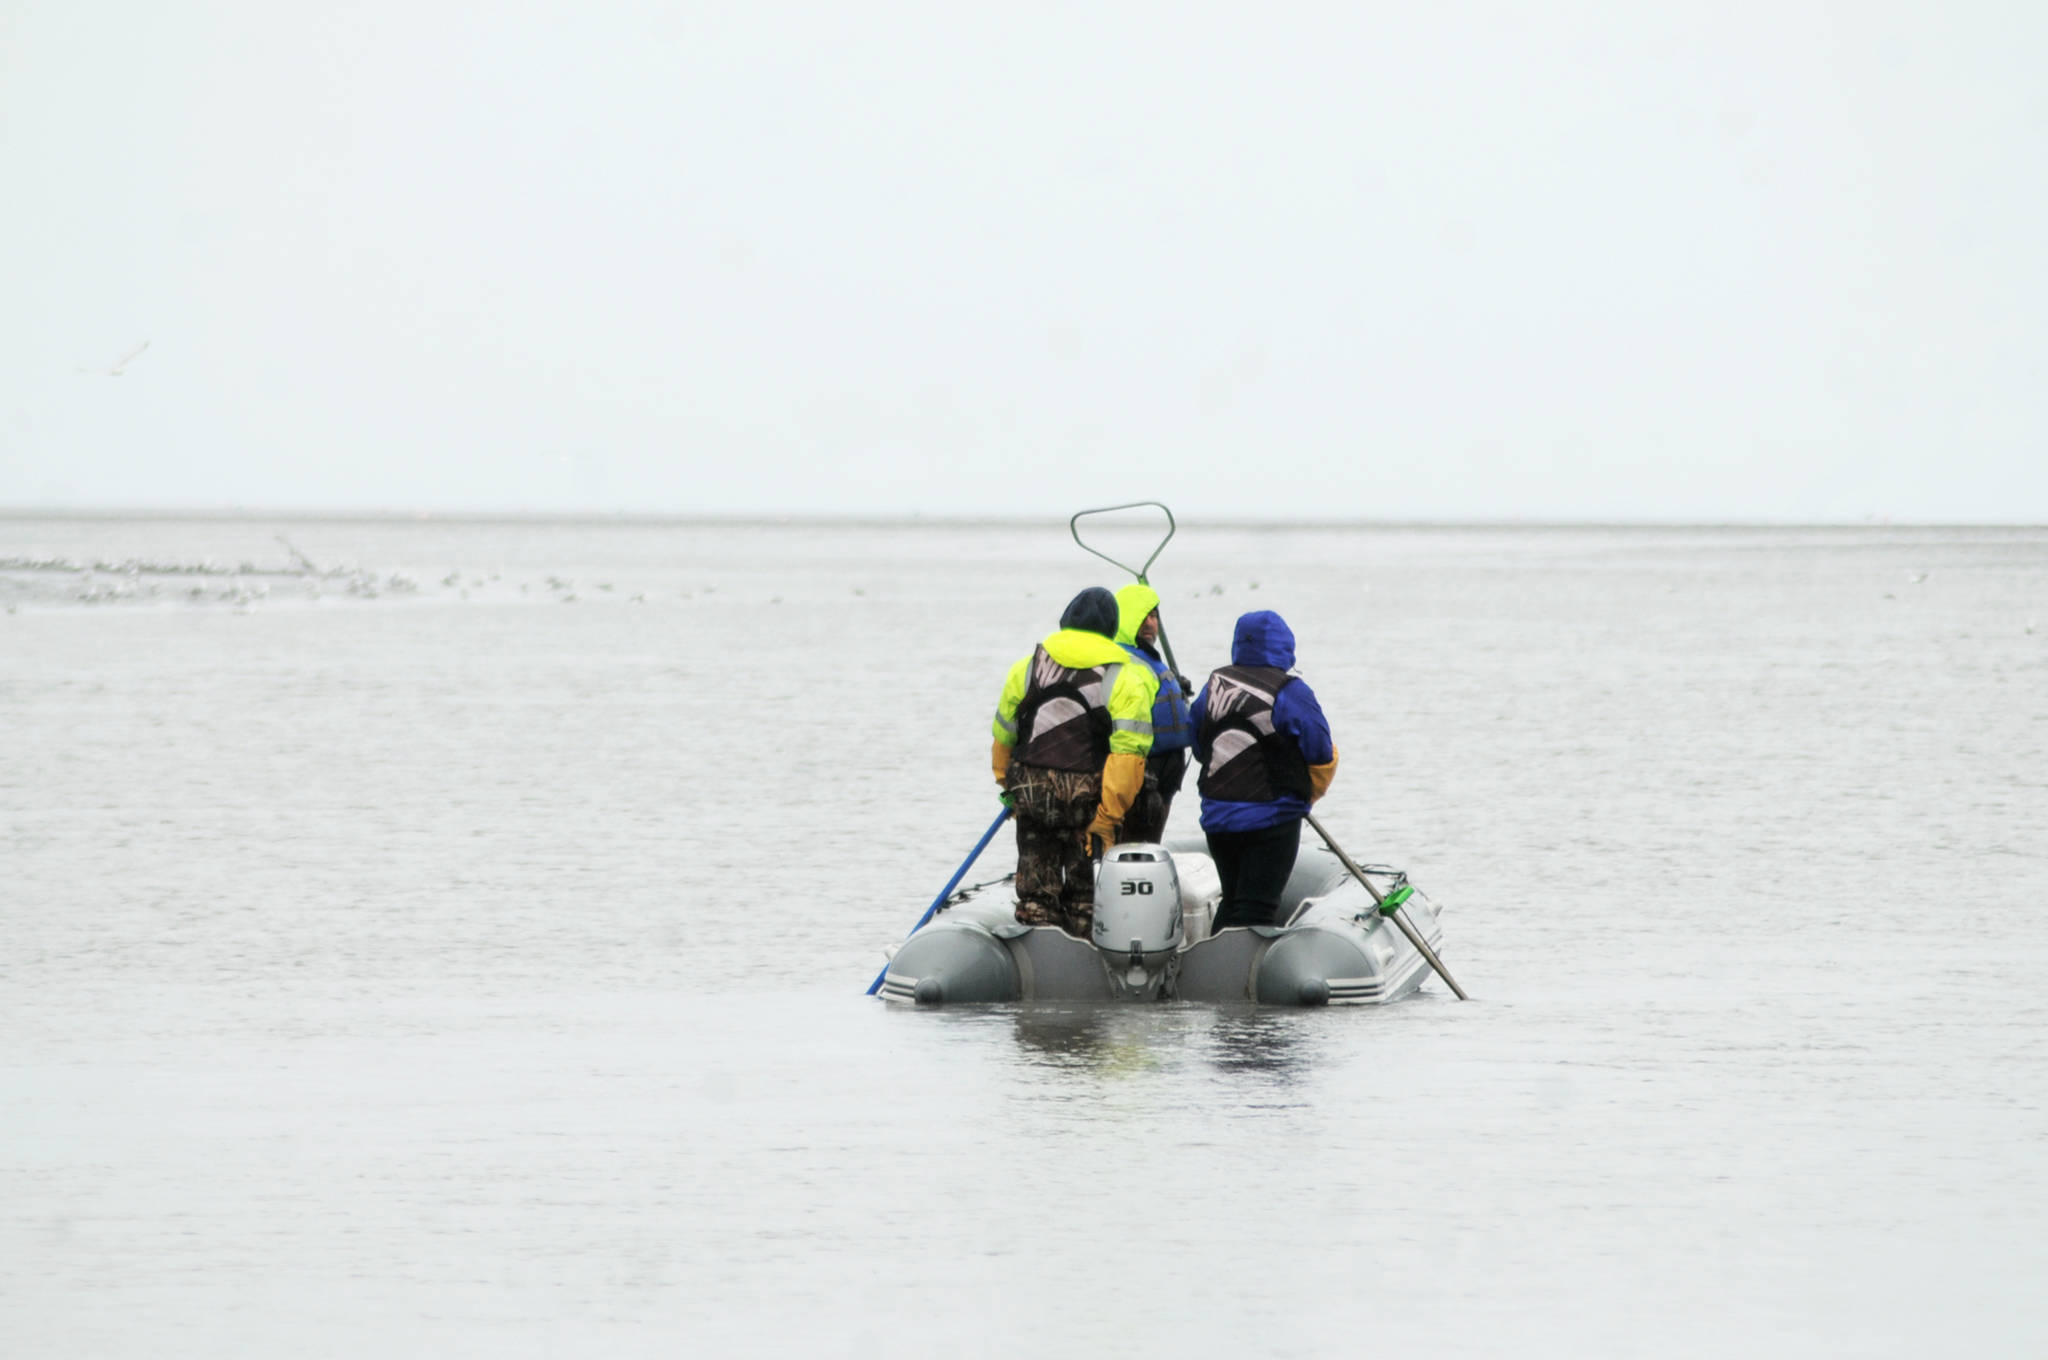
pixel 1262 638
pixel 1133 603
pixel 1092 611
pixel 1079 648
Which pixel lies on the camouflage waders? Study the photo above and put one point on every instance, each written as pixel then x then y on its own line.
pixel 1055 876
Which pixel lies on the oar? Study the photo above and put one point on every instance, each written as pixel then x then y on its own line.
pixel 1074 528
pixel 947 891
pixel 1390 906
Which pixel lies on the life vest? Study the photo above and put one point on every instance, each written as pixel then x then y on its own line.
pixel 1172 729
pixel 1245 759
pixel 1063 719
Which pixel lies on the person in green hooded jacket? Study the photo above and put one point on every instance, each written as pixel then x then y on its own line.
pixel 1073 726
pixel 1173 733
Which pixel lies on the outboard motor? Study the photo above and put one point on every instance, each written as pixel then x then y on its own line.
pixel 1137 917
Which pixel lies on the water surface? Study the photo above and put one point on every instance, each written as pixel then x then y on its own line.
pixel 459 950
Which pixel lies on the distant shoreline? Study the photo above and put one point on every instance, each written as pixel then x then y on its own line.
pixel 651 519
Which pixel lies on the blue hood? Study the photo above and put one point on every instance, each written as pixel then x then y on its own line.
pixel 1262 638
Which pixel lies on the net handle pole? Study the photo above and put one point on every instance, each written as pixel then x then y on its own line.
pixel 1074 528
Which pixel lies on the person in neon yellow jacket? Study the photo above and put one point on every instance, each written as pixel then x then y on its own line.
pixel 1073 727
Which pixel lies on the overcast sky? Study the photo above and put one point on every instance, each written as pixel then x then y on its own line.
pixel 1781 261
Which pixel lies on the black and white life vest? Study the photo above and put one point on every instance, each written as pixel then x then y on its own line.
pixel 1063 719
pixel 1244 758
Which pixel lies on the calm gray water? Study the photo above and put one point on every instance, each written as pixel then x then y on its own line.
pixel 413 959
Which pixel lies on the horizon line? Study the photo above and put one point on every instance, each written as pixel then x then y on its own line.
pixel 961 519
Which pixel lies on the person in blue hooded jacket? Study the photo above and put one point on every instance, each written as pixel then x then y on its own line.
pixel 1265 754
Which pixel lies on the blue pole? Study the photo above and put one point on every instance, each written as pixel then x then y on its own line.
pixel 947 891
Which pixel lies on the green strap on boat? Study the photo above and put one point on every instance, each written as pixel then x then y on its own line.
pixel 1391 903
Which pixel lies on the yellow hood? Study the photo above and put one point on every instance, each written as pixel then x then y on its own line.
pixel 1133 603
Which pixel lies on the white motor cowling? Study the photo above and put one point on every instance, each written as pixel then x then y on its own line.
pixel 1137 907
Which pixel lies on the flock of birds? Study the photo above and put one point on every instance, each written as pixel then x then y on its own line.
pixel 59 581
pixel 247 584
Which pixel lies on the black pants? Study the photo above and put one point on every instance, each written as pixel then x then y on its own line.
pixel 1146 821
pixel 1254 866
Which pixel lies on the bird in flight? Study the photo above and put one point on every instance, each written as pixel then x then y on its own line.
pixel 114 371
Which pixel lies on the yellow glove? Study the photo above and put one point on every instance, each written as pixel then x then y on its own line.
pixel 1123 778
pixel 1101 835
pixel 999 761
pixel 1319 776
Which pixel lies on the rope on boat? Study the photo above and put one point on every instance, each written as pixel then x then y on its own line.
pixel 971 889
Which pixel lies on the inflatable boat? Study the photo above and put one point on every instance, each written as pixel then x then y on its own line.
pixel 1335 944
